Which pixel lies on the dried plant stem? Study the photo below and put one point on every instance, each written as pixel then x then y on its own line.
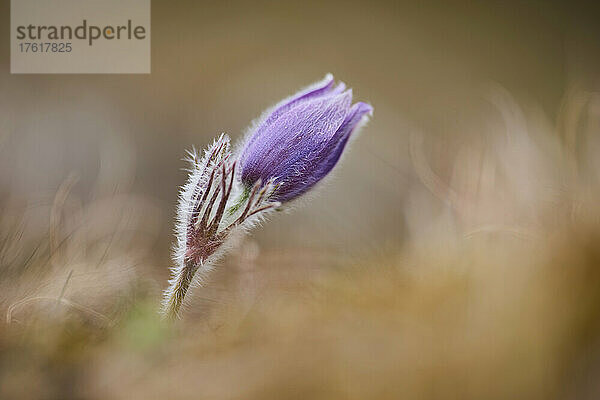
pixel 105 321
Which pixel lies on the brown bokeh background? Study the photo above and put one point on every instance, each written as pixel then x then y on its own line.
pixel 463 220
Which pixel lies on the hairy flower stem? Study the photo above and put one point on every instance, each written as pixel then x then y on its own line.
pixel 205 222
pixel 180 288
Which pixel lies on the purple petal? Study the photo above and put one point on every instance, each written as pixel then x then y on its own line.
pixel 355 116
pixel 316 168
pixel 317 89
pixel 299 134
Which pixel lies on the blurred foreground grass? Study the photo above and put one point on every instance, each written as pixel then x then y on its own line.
pixel 492 318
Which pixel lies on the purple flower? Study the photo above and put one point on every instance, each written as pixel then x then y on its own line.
pixel 300 140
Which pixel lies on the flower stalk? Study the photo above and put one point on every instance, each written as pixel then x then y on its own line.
pixel 203 223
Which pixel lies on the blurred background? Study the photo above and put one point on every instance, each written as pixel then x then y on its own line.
pixel 453 254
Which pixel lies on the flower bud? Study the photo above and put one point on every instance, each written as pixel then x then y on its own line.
pixel 301 139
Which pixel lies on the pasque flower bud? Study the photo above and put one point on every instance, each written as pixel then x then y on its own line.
pixel 293 147
pixel 301 139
